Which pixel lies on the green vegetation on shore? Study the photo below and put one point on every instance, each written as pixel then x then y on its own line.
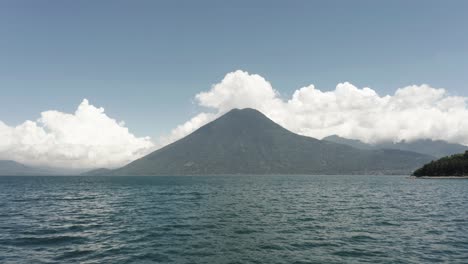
pixel 455 165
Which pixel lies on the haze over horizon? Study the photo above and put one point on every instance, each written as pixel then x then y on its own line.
pixel 162 70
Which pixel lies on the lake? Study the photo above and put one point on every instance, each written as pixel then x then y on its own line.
pixel 233 219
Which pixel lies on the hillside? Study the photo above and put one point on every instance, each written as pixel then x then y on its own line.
pixel 436 148
pixel 12 168
pixel 455 165
pixel 247 142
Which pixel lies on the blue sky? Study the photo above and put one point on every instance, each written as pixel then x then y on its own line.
pixel 144 61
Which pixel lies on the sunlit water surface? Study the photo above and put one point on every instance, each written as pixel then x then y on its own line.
pixel 236 219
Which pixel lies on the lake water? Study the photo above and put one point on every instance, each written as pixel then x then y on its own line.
pixel 235 219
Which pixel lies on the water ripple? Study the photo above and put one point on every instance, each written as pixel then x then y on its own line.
pixel 251 219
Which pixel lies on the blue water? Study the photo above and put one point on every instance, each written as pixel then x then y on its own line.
pixel 236 219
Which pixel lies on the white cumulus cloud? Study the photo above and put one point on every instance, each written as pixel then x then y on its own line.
pixel 412 112
pixel 89 138
pixel 86 139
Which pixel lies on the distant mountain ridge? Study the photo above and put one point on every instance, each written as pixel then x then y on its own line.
pixel 436 148
pixel 247 142
pixel 97 172
pixel 13 168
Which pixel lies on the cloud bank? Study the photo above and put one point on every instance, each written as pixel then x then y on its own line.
pixel 89 138
pixel 411 113
pixel 86 139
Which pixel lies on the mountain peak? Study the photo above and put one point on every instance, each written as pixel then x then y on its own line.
pixel 246 120
pixel 245 141
pixel 245 112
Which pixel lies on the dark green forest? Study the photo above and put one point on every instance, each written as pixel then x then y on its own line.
pixel 455 165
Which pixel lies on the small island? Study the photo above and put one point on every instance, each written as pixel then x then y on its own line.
pixel 455 166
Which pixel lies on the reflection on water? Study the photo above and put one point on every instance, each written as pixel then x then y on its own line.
pixel 237 219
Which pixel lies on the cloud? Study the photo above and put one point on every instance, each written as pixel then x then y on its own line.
pixel 89 138
pixel 413 112
pixel 187 128
pixel 86 139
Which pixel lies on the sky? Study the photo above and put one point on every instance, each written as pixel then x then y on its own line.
pixel 155 65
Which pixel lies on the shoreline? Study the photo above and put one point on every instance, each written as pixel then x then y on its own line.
pixel 440 177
